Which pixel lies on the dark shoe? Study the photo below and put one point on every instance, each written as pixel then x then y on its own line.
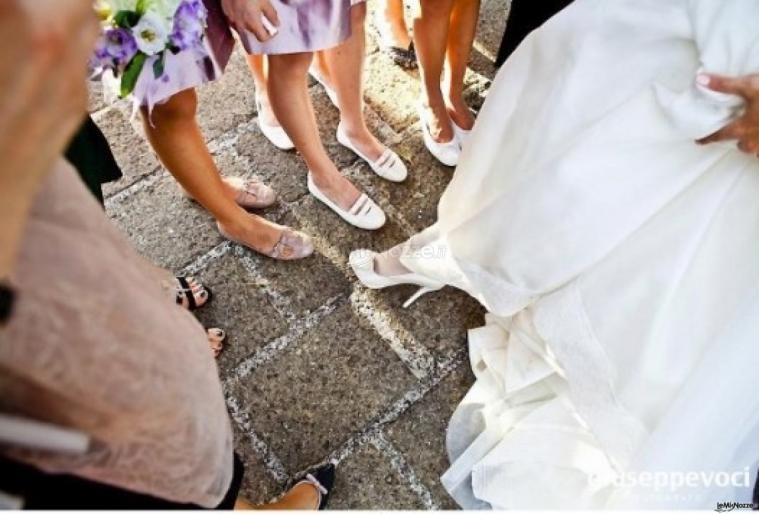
pixel 403 57
pixel 323 479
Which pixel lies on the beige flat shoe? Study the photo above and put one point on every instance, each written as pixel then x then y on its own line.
pixel 252 193
pixel 292 245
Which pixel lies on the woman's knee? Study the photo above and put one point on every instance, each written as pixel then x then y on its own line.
pixel 183 105
pixel 290 66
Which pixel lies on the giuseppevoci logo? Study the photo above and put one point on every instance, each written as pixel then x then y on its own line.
pixel 730 506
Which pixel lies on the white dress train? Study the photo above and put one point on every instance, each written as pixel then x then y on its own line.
pixel 619 262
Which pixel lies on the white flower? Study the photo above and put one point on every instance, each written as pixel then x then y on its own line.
pixel 152 33
pixel 165 8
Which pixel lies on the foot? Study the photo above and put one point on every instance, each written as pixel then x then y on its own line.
pixel 249 193
pixel 267 238
pixel 337 188
pixel 190 293
pixel 392 29
pixel 365 142
pixel 439 121
pixel 459 112
pixel 216 337
pixel 388 263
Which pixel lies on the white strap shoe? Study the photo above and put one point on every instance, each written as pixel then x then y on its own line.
pixel 275 134
pixel 447 153
pixel 362 262
pixel 389 166
pixel 364 214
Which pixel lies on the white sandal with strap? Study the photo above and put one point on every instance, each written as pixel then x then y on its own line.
pixel 364 213
pixel 389 166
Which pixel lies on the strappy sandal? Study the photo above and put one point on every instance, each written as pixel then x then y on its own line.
pixel 217 344
pixel 187 296
pixel 389 166
pixel 322 478
pixel 363 214
pixel 252 193
pixel 292 245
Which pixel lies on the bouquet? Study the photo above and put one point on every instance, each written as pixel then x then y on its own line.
pixel 137 34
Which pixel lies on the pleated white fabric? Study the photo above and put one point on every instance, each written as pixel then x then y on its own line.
pixel 618 259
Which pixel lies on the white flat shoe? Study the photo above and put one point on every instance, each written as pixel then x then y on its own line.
pixel 389 166
pixel 461 134
pixel 447 153
pixel 364 214
pixel 362 262
pixel 275 134
pixel 331 93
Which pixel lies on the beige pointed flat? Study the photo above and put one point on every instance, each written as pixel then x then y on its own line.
pixel 292 245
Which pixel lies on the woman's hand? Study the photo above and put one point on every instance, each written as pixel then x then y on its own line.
pixel 249 15
pixel 746 128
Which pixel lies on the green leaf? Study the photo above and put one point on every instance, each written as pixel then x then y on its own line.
pixel 132 73
pixel 158 66
pixel 126 19
pixel 141 7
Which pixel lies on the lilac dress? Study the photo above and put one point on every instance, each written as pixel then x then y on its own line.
pixel 191 68
pixel 304 26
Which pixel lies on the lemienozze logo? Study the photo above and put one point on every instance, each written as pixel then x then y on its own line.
pixel 730 506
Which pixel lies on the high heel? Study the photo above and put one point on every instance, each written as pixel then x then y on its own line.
pixel 447 153
pixel 362 263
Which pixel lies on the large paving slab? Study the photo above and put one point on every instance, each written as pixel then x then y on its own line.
pixel 240 305
pixel 315 394
pixel 367 481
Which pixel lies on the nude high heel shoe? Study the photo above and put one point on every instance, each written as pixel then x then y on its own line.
pixel 362 263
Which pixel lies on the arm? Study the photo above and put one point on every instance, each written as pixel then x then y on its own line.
pixel 44 48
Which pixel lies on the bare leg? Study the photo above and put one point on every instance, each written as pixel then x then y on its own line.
pixel 392 24
pixel 259 69
pixel 289 97
pixel 431 27
pixel 176 137
pixel 460 38
pixel 344 70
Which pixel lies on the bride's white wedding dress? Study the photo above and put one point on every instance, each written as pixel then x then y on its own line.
pixel 619 261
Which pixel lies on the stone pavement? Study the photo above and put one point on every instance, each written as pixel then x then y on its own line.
pixel 317 367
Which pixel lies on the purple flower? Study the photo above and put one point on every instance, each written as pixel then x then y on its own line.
pixel 189 24
pixel 114 49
